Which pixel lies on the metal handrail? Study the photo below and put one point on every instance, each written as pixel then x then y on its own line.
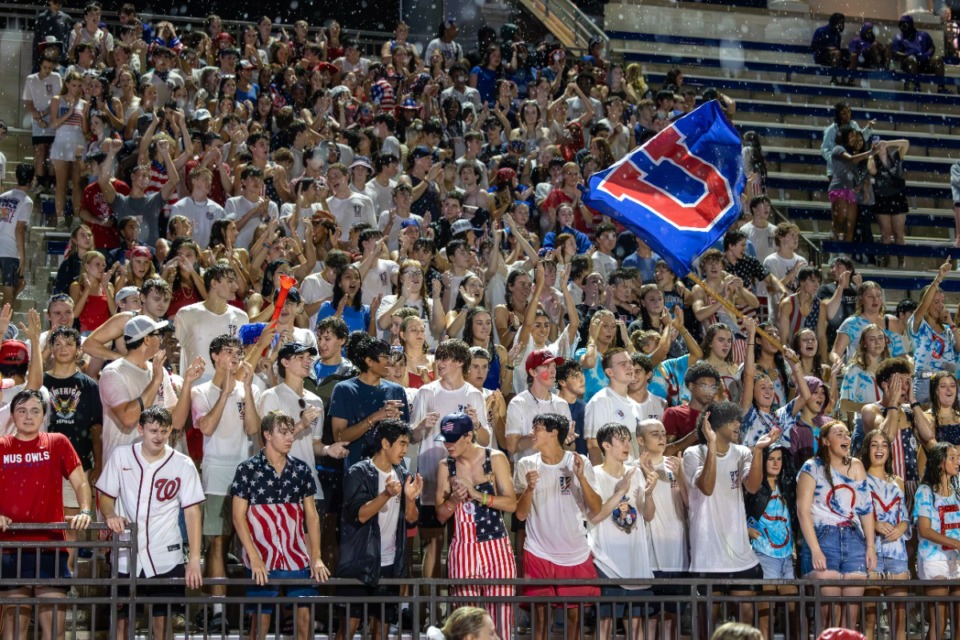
pixel 584 29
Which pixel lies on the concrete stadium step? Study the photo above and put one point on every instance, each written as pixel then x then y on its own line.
pixel 797 92
pixel 809 161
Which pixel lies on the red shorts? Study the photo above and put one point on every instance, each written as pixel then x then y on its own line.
pixel 539 569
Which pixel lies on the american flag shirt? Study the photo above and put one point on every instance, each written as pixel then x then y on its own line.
pixel 275 513
pixel 474 522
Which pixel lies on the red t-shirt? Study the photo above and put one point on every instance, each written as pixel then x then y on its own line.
pixel 31 482
pixel 556 198
pixel 680 421
pixel 104 237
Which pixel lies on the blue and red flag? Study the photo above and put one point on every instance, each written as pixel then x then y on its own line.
pixel 680 191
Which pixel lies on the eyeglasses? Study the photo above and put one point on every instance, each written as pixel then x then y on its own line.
pixel 155 334
pixel 708 387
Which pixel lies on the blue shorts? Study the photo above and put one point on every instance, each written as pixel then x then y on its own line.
pixel 9 271
pixel 844 548
pixel 52 566
pixel 776 568
pixel 617 609
pixel 888 567
pixel 268 590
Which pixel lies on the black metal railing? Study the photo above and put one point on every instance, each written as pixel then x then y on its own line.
pixel 788 609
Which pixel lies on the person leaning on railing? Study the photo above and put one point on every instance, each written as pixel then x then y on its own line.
pixel 35 464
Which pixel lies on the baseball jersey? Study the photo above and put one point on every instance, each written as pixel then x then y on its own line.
pixel 275 512
pixel 151 494
pixel 41 463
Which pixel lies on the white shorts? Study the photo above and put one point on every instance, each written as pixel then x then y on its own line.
pixel 948 569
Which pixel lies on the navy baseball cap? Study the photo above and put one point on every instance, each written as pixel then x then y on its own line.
pixel 454 426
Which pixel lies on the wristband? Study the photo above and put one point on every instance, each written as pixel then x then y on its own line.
pixel 914 404
pixel 86 512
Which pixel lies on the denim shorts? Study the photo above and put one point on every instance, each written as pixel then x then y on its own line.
pixel 844 548
pixel 776 568
pixel 268 591
pixel 890 566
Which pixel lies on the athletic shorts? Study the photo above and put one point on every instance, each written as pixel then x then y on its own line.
pixel 847 195
pixel 948 569
pixel 170 592
pixel 537 568
pixel 9 271
pixel 218 516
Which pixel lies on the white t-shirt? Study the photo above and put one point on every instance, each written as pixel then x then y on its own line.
pixel 351 210
pixel 667 532
pixel 120 382
pixel 379 280
pixel 239 206
pixel 152 494
pixel 284 398
pixel 555 529
pixel 609 406
pixel 719 542
pixel 432 397
pixel 603 264
pixel 388 517
pixel 619 542
pixel 195 328
pixel 15 207
pixel 382 199
pixel 313 289
pixel 393 238
pixel 201 214
pixel 762 239
pixel 524 407
pixel 229 445
pixel 779 267
pixel 652 408
pixel 41 92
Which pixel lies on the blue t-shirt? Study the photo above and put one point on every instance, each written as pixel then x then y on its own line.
pixel 646 266
pixel 357 320
pixel 578 415
pixel 486 83
pixel 353 400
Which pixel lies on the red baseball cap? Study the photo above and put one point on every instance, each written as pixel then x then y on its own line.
pixel 838 633
pixel 541 357
pixel 14 352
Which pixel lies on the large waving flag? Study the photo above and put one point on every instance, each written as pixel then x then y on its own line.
pixel 680 191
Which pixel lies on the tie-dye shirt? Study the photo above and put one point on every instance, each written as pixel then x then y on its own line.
pixel 944 515
pixel 859 386
pixel 754 424
pixel 853 327
pixel 840 502
pixel 776 539
pixel 889 506
pixel 932 351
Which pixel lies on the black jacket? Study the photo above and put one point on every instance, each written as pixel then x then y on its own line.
pixel 360 542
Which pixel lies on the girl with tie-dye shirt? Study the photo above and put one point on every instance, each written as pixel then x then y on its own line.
pixel 835 513
pixel 869 310
pixel 936 513
pixel 892 527
pixel 934 336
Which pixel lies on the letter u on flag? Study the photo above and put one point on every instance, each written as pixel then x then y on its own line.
pixel 680 191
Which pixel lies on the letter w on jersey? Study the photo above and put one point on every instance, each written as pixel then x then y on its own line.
pixel 680 191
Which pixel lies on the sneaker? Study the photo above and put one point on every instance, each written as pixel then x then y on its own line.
pixel 179 622
pixel 62 224
pixel 212 623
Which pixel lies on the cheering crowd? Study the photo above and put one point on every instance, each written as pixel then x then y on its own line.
pixel 327 310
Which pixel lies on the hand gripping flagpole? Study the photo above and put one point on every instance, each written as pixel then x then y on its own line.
pixel 732 308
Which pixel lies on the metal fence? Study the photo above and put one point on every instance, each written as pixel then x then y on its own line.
pixel 100 603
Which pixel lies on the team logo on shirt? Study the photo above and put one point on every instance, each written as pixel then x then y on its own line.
pixel 240 408
pixel 357 210
pixel 65 402
pixel 620 414
pixel 735 479
pixel 566 485
pixel 232 329
pixel 166 489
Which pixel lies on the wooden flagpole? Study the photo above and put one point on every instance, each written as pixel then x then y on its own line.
pixel 732 308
